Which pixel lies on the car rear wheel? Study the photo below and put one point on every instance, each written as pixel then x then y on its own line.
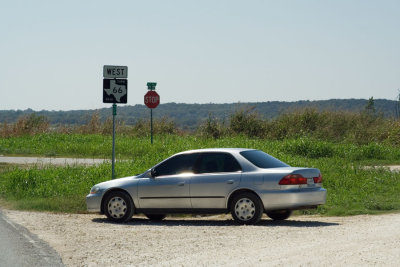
pixel 246 208
pixel 155 217
pixel 118 206
pixel 279 215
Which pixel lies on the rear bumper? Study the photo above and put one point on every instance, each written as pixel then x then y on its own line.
pixel 93 202
pixel 293 198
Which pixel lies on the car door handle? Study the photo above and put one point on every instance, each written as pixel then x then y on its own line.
pixel 230 181
pixel 181 184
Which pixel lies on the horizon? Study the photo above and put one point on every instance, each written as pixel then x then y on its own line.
pixel 142 105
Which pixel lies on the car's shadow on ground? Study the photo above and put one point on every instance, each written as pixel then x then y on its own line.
pixel 212 222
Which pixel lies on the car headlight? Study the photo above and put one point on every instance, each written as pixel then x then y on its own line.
pixel 95 189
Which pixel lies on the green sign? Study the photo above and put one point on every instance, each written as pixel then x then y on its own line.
pixel 151 86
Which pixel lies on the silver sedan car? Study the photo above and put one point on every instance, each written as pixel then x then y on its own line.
pixel 244 182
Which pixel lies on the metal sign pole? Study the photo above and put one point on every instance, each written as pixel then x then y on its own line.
pixel 151 125
pixel 114 108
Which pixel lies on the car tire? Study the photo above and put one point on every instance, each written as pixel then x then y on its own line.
pixel 246 208
pixel 155 217
pixel 118 206
pixel 279 215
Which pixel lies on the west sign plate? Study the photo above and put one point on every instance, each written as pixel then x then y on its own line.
pixel 115 71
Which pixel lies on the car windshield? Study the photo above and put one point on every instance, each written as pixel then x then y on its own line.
pixel 262 159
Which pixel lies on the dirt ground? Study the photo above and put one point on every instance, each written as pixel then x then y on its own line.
pixel 90 240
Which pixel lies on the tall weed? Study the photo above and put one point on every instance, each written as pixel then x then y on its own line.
pixel 341 127
pixel 26 125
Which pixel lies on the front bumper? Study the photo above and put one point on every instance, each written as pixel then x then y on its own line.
pixel 93 202
pixel 293 198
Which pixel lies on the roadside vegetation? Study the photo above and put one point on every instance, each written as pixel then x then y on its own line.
pixel 340 144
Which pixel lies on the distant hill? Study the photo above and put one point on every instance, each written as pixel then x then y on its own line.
pixel 188 116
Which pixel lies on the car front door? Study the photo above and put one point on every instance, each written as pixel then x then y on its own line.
pixel 215 176
pixel 169 186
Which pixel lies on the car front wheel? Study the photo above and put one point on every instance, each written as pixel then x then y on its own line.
pixel 246 208
pixel 279 215
pixel 118 206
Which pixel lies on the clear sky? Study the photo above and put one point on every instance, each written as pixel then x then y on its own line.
pixel 205 51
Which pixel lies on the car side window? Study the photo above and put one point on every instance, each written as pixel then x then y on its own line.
pixel 216 162
pixel 176 165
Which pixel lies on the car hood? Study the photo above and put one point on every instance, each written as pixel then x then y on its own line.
pixel 117 182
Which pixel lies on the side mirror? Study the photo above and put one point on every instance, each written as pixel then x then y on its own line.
pixel 153 173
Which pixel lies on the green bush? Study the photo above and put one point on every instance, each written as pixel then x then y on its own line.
pixel 246 122
pixel 211 128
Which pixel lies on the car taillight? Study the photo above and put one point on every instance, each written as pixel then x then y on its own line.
pixel 292 179
pixel 318 180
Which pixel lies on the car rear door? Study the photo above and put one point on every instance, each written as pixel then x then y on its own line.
pixel 216 174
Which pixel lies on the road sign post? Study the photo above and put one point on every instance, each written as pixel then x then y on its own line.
pixel 151 126
pixel 115 90
pixel 114 108
pixel 151 100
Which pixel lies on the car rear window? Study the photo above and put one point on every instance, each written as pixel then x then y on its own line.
pixel 262 159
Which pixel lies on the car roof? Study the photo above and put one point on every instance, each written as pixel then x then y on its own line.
pixel 246 165
pixel 228 150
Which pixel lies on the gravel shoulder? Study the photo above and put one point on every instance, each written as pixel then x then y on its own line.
pixel 90 240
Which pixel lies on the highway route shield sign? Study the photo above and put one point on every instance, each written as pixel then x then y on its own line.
pixel 115 91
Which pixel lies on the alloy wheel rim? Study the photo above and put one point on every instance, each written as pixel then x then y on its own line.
pixel 117 207
pixel 245 209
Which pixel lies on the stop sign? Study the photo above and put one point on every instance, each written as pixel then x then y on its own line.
pixel 151 99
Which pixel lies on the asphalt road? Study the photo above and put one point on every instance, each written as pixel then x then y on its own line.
pixel 53 161
pixel 18 247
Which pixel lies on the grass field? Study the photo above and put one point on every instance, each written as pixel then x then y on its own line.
pixel 128 147
pixel 352 189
